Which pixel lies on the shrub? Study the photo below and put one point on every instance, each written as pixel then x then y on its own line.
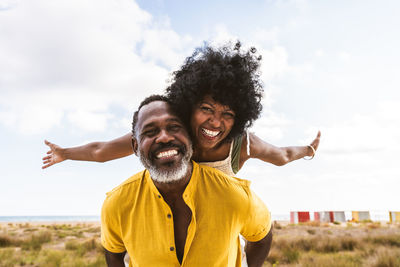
pixel 291 255
pixel 82 248
pixel 311 231
pixel 8 241
pixel 331 260
pixel 36 241
pixel 374 225
pixel 386 258
pixel 52 258
pixel 276 225
pixel 71 245
pixel 31 230
pixel 5 241
pixel 275 255
pixel 388 240
pixel 313 223
pixel 6 254
pixel 328 245
pixel 97 229
pixel 349 243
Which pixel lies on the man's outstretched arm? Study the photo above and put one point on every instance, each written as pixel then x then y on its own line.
pixel 256 252
pixel 114 259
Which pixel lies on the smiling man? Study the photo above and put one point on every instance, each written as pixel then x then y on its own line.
pixel 176 212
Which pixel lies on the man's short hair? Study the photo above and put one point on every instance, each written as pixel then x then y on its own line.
pixel 146 101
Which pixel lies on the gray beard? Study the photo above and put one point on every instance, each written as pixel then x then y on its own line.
pixel 168 176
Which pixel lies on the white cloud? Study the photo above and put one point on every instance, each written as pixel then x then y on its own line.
pixel 274 63
pixel 301 5
pixel 174 47
pixel 344 56
pixel 266 37
pixel 270 126
pixel 319 53
pixel 8 4
pixel 63 58
pixel 89 121
pixel 374 132
pixel 221 35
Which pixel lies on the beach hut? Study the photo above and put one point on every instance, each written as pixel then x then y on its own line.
pixel 338 216
pixel 299 216
pixel 329 216
pixel 359 216
pixel 321 216
pixel 394 216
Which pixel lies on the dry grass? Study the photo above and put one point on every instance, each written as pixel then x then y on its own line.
pixel 50 245
pixel 311 244
pixel 365 244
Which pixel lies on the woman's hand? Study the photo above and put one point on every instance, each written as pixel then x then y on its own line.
pixel 315 143
pixel 54 155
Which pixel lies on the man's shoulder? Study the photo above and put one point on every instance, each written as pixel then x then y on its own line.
pixel 128 185
pixel 219 177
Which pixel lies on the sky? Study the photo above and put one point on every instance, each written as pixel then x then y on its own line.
pixel 74 71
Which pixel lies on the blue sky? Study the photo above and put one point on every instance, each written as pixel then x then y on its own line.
pixel 74 71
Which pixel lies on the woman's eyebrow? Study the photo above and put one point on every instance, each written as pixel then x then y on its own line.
pixel 205 102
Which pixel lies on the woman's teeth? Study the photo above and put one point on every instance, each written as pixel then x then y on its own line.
pixel 166 154
pixel 210 133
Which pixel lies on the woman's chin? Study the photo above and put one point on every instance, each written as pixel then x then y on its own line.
pixel 207 144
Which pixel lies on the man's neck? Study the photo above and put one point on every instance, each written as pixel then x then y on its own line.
pixel 175 188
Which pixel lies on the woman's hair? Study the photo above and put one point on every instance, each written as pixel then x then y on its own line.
pixel 228 74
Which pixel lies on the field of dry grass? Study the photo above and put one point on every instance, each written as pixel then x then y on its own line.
pixel 335 245
pixel 48 245
pixel 313 244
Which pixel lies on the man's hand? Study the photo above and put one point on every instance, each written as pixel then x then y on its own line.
pixel 114 259
pixel 256 252
pixel 54 155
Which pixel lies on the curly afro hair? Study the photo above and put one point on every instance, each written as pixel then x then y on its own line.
pixel 228 74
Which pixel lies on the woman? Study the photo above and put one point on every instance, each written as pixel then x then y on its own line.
pixel 218 94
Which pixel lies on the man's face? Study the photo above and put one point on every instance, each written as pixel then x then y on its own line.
pixel 163 142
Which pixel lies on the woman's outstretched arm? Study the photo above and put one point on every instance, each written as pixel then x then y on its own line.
pixel 95 151
pixel 276 155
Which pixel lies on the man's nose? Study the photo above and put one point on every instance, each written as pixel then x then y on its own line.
pixel 164 137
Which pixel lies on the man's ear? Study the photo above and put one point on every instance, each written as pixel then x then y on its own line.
pixel 135 146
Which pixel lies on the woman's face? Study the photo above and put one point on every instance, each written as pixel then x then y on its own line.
pixel 211 122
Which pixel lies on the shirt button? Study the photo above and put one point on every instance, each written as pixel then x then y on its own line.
pixel 171 248
pixel 169 216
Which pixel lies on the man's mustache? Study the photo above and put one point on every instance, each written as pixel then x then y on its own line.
pixel 163 146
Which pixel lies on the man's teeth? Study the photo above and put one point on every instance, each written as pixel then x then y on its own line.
pixel 166 154
pixel 210 133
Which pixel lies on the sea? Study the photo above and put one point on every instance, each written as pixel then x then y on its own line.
pixel 67 218
pixel 375 216
pixel 89 218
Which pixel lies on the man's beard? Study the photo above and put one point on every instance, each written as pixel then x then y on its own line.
pixel 172 175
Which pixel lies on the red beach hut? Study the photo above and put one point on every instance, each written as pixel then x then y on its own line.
pixel 299 216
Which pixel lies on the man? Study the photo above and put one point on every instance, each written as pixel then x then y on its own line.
pixel 176 212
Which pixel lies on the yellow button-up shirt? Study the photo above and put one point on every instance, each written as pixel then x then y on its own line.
pixel 135 218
